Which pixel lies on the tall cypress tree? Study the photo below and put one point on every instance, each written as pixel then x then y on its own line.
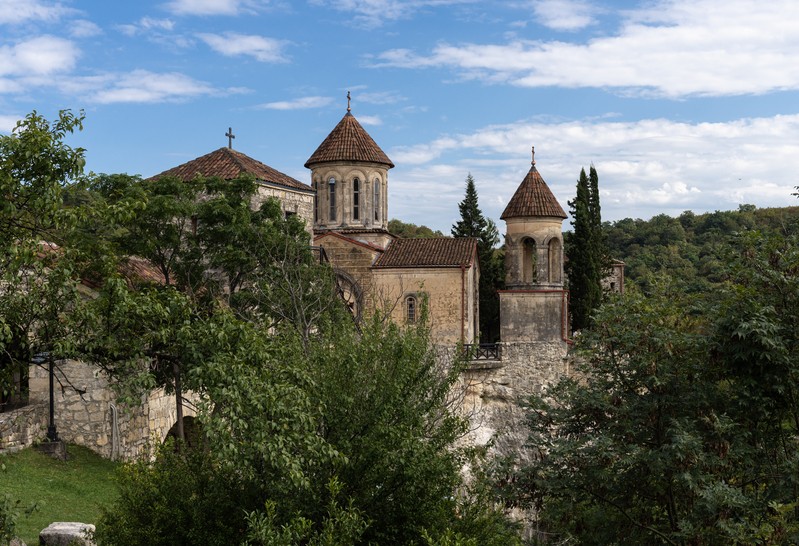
pixel 474 224
pixel 586 256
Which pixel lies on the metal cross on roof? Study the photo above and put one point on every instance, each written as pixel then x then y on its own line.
pixel 533 156
pixel 230 136
pixel 348 101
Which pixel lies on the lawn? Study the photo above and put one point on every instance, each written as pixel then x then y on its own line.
pixel 72 490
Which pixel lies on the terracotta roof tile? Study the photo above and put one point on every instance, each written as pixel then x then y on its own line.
pixel 533 198
pixel 348 141
pixel 432 252
pixel 228 164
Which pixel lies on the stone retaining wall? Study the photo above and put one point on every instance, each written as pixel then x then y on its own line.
pixel 22 427
pixel 84 413
pixel 490 392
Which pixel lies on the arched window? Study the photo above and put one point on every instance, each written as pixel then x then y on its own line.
pixel 332 189
pixel 554 261
pixel 529 261
pixel 356 199
pixel 411 310
pixel 377 199
pixel 315 186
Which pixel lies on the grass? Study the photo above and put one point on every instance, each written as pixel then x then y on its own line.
pixel 72 490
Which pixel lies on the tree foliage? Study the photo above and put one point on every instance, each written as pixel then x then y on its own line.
pixel 408 230
pixel 472 223
pixel 36 275
pixel 586 251
pixel 693 249
pixel 680 426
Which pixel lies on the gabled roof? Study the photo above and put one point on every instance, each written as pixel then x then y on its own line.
pixel 533 198
pixel 348 141
pixel 432 252
pixel 228 164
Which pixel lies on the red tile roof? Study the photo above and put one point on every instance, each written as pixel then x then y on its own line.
pixel 432 252
pixel 533 198
pixel 228 164
pixel 348 141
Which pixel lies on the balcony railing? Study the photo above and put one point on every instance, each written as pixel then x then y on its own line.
pixel 483 351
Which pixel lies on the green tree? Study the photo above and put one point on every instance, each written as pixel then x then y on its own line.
pixel 472 223
pixel 680 427
pixel 353 444
pixel 585 251
pixel 411 231
pixel 36 274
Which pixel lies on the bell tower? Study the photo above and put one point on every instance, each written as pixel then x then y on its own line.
pixel 349 172
pixel 534 305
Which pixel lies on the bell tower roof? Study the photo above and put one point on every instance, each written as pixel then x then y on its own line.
pixel 533 198
pixel 348 141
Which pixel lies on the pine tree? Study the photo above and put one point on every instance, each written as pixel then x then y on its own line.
pixel 585 253
pixel 474 224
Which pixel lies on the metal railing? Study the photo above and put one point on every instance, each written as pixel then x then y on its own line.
pixel 483 351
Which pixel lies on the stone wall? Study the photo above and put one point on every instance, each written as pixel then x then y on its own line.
pixel 85 412
pixel 491 391
pixel 292 202
pixel 22 427
pixel 451 296
pixel 533 315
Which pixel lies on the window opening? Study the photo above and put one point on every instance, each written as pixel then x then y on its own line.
pixel 377 199
pixel 356 199
pixel 410 308
pixel 332 186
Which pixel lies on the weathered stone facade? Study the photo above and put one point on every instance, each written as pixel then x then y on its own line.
pixel 94 418
pixel 493 391
pixel 450 295
pixel 298 202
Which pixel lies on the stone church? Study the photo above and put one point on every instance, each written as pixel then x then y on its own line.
pixel 346 210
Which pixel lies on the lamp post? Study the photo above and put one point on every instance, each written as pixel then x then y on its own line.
pixel 52 431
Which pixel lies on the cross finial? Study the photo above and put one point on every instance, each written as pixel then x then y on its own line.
pixel 230 136
pixel 533 163
pixel 348 101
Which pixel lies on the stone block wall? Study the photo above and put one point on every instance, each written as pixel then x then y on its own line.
pixel 84 411
pixel 491 392
pixel 22 427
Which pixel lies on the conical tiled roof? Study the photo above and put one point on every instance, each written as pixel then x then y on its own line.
pixel 533 198
pixel 228 164
pixel 348 141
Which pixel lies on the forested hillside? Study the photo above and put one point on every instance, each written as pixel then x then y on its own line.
pixel 692 248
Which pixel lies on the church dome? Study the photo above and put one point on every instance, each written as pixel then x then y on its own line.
pixel 348 141
pixel 533 198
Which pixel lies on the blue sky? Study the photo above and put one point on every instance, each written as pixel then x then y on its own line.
pixel 680 104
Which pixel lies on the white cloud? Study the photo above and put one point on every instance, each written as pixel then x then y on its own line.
pixel 8 122
pixel 215 7
pixel 379 97
pixel 370 120
pixel 38 56
pixel 649 166
pixel 13 12
pixel 675 49
pixel 373 13
pixel 147 24
pixel 82 28
pixel 232 44
pixel 564 14
pixel 141 86
pixel 301 103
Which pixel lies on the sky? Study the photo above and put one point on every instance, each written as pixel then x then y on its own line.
pixel 679 104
